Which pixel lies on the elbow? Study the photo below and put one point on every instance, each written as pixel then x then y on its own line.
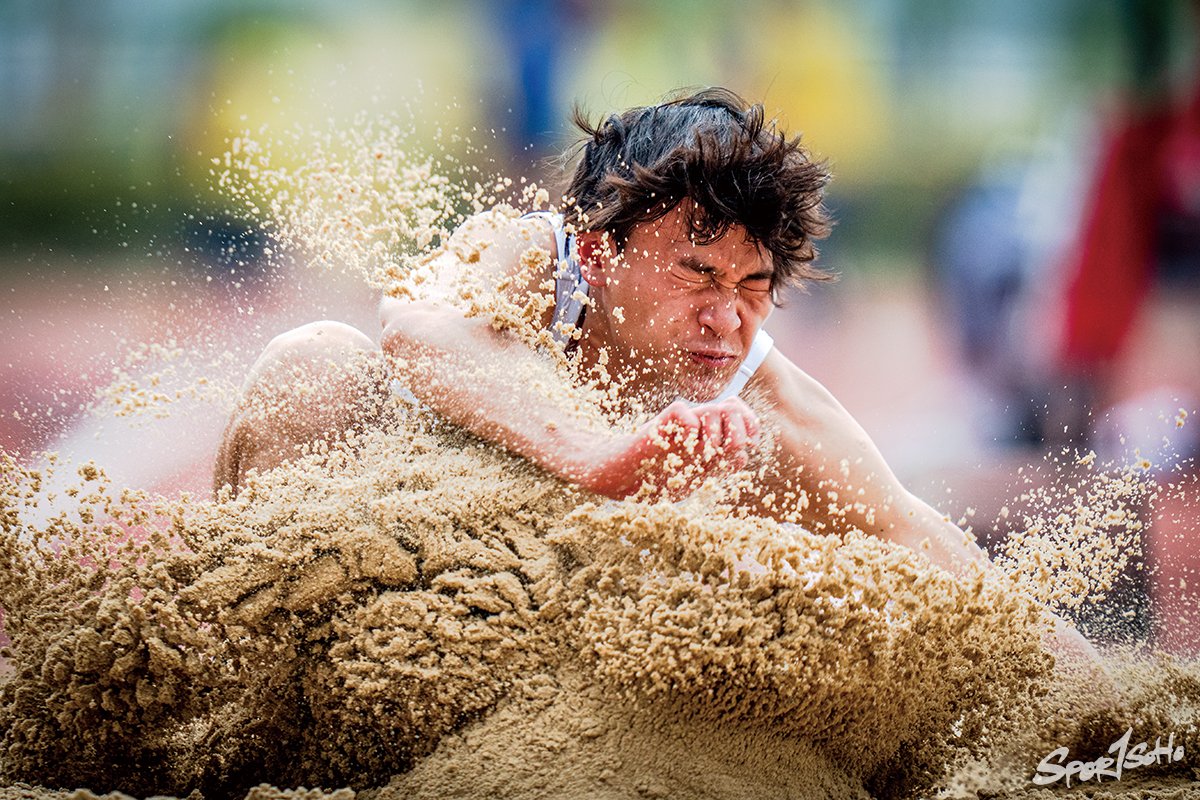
pixel 393 314
pixel 411 325
pixel 401 324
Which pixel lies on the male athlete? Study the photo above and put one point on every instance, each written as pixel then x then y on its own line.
pixel 680 225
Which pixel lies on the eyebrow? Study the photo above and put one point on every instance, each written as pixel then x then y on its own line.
pixel 691 262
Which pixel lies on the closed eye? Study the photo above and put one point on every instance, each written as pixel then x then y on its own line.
pixel 696 267
pixel 691 270
pixel 756 283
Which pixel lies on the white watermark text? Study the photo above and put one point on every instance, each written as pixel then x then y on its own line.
pixel 1055 766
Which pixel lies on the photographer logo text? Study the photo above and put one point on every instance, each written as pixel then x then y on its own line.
pixel 1055 767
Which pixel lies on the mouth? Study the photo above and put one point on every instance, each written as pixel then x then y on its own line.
pixel 712 359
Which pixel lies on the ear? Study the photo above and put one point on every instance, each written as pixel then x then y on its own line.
pixel 595 257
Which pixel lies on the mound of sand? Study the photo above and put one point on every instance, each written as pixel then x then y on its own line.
pixel 421 608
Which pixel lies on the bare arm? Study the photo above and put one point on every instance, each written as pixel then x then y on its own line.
pixel 827 455
pixel 482 380
pixel 846 484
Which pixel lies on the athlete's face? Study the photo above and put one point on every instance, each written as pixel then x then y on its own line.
pixel 678 316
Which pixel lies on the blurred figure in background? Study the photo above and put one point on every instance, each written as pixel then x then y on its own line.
pixel 981 260
pixel 1093 341
pixel 535 33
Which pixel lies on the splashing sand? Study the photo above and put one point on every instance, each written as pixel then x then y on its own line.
pixel 417 613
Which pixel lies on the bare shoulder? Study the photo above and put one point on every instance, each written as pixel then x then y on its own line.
pixel 493 251
pixel 784 385
pixel 497 232
pixel 501 246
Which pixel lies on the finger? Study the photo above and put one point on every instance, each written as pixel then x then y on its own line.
pixel 744 420
pixel 680 412
pixel 749 418
pixel 737 439
pixel 677 419
pixel 736 435
pixel 712 432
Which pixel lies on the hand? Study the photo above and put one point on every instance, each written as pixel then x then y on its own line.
pixel 675 451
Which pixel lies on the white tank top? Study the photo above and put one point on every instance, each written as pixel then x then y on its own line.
pixel 570 305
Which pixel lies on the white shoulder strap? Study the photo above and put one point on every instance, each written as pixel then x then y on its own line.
pixel 560 232
pixel 759 348
pixel 570 289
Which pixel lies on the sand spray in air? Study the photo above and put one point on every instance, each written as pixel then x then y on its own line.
pixel 409 604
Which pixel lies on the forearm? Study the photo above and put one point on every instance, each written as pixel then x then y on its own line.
pixel 912 522
pixel 882 507
pixel 927 531
pixel 485 382
pixel 846 485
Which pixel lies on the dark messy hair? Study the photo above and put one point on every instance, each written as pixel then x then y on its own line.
pixel 715 149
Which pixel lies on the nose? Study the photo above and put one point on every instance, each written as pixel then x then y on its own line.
pixel 719 310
